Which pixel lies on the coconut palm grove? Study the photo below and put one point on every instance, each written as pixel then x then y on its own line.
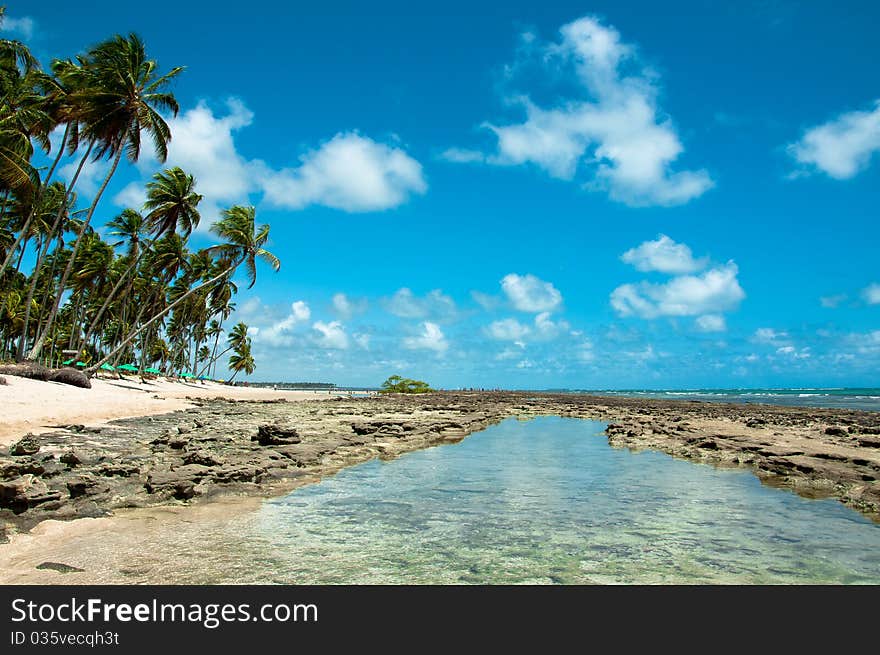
pixel 136 296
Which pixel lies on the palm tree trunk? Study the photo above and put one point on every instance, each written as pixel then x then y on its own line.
pixel 21 254
pixel 213 359
pixel 42 256
pixel 35 351
pixel 27 223
pixel 123 278
pixel 155 318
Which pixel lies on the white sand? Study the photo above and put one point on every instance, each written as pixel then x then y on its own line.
pixel 34 406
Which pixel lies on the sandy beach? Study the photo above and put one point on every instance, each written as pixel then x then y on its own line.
pixel 34 406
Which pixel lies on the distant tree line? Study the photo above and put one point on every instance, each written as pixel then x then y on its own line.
pixel 295 385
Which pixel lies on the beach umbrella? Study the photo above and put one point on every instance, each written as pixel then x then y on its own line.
pixel 127 367
pixel 81 364
pixel 68 362
pixel 107 367
pixel 187 375
pixel 153 371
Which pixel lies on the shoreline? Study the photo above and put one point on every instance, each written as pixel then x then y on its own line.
pixel 211 455
pixel 33 405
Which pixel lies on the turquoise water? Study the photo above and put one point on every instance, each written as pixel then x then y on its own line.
pixel 544 501
pixel 841 398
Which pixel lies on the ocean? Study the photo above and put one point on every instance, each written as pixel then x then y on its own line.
pixel 841 398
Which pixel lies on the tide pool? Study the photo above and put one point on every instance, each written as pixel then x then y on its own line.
pixel 524 502
pixel 549 501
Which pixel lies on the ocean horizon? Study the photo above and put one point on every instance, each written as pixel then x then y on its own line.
pixel 859 398
pixel 862 398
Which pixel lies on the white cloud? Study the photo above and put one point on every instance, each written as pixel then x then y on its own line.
pixel 23 27
pixel 544 329
pixel 771 336
pixel 645 355
pixel 203 145
pixel 90 177
pixel 584 351
pixel 405 304
pixel 711 323
pixel 620 133
pixel 485 300
pixel 665 256
pixel 330 335
pixel 716 290
pixel 133 195
pixel 277 334
pixel 252 308
pixel 508 353
pixel 300 311
pixel 347 307
pixel 547 329
pixel 362 340
pixel 871 294
pixel 431 338
pixel 508 329
pixel 462 155
pixel 528 293
pixel 866 343
pixel 842 147
pixel 280 333
pixel 349 172
pixel 794 353
pixel 831 302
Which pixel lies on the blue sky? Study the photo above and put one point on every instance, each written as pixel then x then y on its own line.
pixel 530 195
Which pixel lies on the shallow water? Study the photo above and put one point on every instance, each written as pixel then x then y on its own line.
pixel 543 501
pixel 540 501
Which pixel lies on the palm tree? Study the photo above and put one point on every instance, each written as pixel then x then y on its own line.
pixel 237 339
pixel 243 245
pixel 21 114
pixel 23 119
pixel 55 204
pixel 244 242
pixel 119 97
pixel 241 359
pixel 172 203
pixel 15 51
pixel 61 105
pixel 220 304
pixel 214 330
pixel 131 226
pixel 238 336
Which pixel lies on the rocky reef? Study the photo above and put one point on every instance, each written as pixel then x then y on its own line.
pixel 267 447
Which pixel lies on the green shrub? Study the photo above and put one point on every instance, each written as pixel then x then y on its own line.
pixel 397 384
